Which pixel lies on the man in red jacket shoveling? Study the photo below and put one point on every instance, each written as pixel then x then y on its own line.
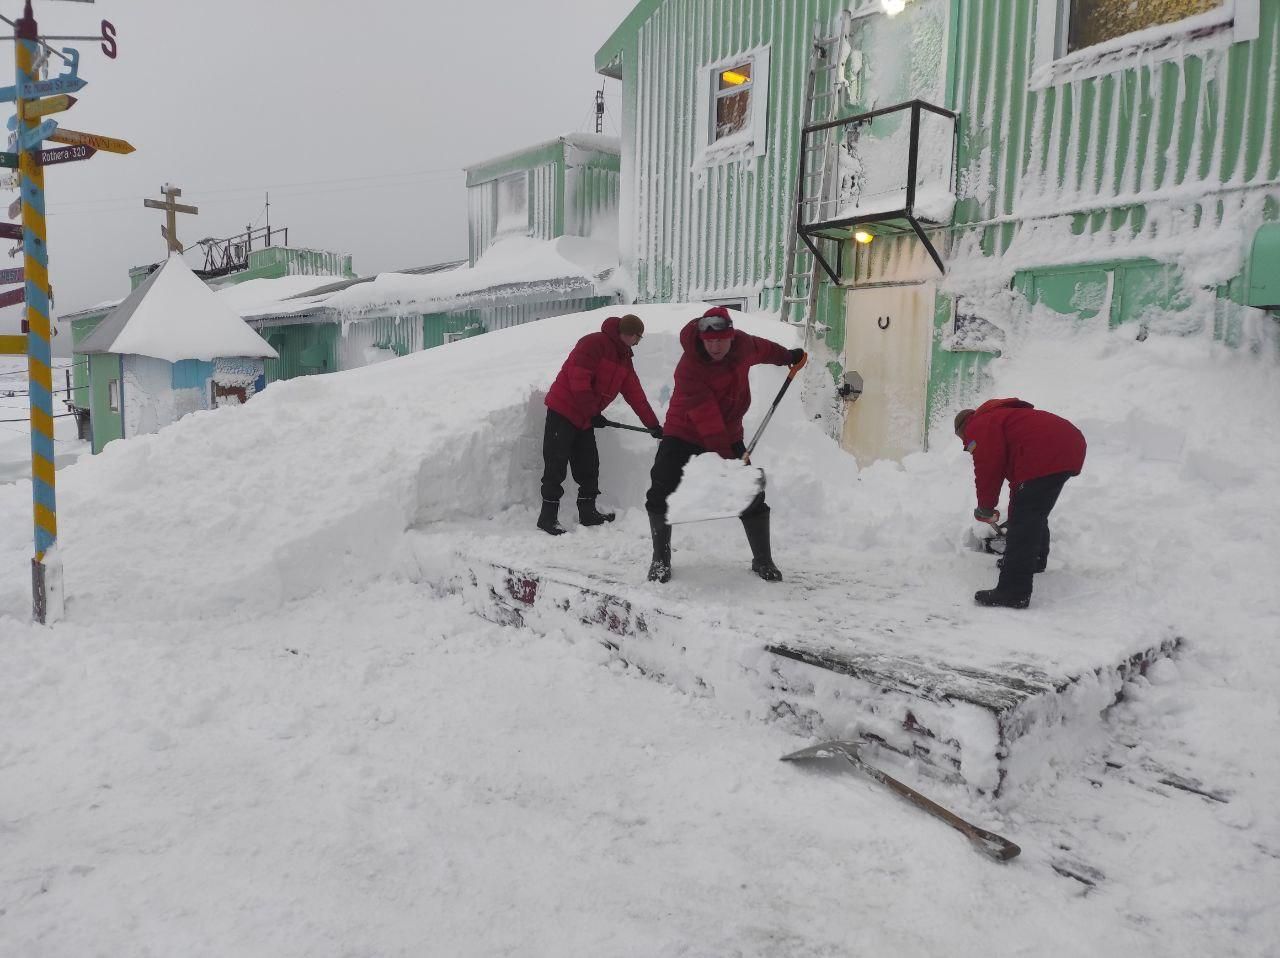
pixel 712 394
pixel 1037 452
pixel 598 368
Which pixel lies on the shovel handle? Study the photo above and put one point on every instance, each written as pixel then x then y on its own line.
pixel 623 425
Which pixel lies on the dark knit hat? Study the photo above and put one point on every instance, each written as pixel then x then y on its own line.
pixel 715 323
pixel 631 325
pixel 962 417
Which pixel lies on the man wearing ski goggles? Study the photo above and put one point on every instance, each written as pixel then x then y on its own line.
pixel 712 395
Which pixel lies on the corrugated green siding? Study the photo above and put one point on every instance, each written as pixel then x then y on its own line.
pixel 108 424
pixel 723 230
pixel 1176 130
pixel 305 349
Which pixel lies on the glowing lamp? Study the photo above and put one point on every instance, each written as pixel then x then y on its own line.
pixel 733 78
pixel 862 236
pixel 893 7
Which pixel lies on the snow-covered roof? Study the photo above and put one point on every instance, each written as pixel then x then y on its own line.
pixel 509 267
pixel 174 316
pixel 583 141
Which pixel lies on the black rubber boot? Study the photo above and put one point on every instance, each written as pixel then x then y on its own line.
pixel 589 515
pixel 660 567
pixel 548 520
pixel 1001 599
pixel 757 529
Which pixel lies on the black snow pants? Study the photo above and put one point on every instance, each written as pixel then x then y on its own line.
pixel 668 469
pixel 565 447
pixel 1027 540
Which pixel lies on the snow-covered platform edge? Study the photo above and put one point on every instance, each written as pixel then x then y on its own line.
pixel 993 732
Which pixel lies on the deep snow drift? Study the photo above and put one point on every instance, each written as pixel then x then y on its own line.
pixel 256 734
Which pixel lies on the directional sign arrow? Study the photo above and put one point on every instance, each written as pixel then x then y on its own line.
pixel 8 276
pixel 10 160
pixel 64 154
pixel 13 296
pixel 107 144
pixel 11 230
pixel 52 87
pixel 32 138
pixel 34 109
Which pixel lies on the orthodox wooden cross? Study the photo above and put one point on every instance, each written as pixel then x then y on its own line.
pixel 171 208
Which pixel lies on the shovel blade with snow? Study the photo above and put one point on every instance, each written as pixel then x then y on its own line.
pixel 714 488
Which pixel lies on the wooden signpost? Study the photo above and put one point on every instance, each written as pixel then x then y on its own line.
pixel 36 98
pixel 64 154
pixel 108 144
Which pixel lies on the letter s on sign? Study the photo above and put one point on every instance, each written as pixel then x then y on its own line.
pixel 109 39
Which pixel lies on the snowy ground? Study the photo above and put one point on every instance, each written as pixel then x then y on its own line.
pixel 258 733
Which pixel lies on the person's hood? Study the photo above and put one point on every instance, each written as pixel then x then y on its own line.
pixel 693 345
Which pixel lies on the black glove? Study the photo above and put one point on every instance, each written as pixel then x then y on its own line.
pixel 795 356
pixel 655 432
pixel 598 421
pixel 739 449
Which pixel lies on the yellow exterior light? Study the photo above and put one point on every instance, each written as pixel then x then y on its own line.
pixel 862 236
pixel 733 77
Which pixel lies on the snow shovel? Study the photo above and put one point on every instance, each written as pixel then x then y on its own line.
pixel 623 425
pixel 714 488
pixel 989 843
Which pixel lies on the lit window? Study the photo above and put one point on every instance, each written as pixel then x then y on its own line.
pixel 1090 22
pixel 513 204
pixel 113 395
pixel 733 99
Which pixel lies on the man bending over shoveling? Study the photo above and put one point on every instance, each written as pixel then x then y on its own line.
pixel 1037 452
pixel 712 394
pixel 598 368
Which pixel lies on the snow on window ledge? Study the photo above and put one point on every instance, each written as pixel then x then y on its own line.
pixel 1235 21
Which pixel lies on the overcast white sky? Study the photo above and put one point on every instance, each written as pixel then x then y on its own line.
pixel 357 116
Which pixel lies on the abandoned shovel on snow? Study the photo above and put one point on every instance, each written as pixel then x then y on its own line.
pixel 714 488
pixel 989 843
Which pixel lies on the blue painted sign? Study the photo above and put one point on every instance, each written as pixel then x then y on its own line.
pixel 50 87
pixel 32 138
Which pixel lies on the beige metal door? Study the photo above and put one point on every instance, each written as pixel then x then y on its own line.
pixel 888 333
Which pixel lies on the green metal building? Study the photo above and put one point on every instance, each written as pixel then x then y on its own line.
pixel 1089 157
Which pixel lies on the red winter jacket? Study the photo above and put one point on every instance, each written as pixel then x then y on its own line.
pixel 710 399
pixel 1010 439
pixel 598 368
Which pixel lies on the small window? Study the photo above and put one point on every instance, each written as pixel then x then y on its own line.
pixel 1087 23
pixel 113 395
pixel 513 204
pixel 732 99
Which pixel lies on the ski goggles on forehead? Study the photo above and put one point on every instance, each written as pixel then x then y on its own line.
pixel 714 324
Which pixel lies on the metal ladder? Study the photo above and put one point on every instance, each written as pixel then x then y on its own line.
pixel 813 181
